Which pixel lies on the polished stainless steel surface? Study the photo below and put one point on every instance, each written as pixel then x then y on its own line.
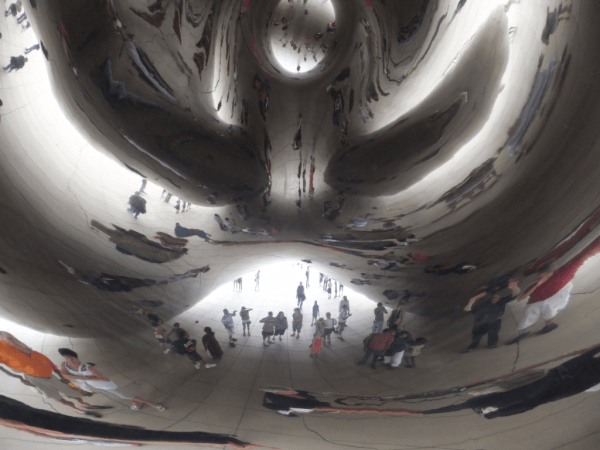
pixel 425 154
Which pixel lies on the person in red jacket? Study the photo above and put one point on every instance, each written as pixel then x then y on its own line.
pixel 551 293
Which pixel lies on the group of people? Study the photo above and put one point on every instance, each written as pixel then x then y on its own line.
pixel 546 297
pixel 329 285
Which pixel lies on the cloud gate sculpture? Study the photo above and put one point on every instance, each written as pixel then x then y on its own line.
pixel 415 179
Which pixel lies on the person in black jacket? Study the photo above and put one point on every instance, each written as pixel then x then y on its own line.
pixel 488 316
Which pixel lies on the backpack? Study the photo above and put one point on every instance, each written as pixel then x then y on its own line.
pixel 178 346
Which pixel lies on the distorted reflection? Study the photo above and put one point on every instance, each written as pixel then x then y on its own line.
pixel 418 178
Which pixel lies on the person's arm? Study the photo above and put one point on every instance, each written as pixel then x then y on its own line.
pixel 533 287
pixel 473 300
pixel 263 320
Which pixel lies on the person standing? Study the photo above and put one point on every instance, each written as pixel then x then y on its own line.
pixel 344 302
pixel 240 283
pixel 413 349
pixel 329 327
pixel 329 288
pixel 268 328
pixel 393 356
pixel 320 279
pixel 300 295
pixel 344 314
pixel 257 280
pixel 488 316
pixel 307 276
pixel 175 331
pixel 376 345
pixel 245 315
pixel 336 290
pixel 315 313
pixel 379 319
pixel 161 336
pixel 144 181
pixel 281 324
pixel 341 289
pixel 396 318
pixel 90 379
pixel 297 322
pixel 211 345
pixel 36 370
pixel 227 321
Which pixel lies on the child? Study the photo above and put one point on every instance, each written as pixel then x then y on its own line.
pixel 413 349
pixel 317 345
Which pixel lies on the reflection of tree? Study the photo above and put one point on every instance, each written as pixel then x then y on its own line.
pixel 136 244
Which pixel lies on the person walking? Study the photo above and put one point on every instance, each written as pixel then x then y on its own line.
pixel 89 378
pixel 297 322
pixel 257 281
pixel 137 204
pixel 344 314
pixel 245 316
pixel 16 63
pixel 320 279
pixel 211 345
pixel 329 288
pixel 379 319
pixel 300 295
pixel 315 313
pixel 268 328
pixel 376 345
pixel 307 276
pixel 32 48
pixel 316 346
pixel 329 327
pixel 281 324
pixel 227 321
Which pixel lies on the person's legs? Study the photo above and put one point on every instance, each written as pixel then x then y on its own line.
pixel 478 332
pixel 298 332
pixel 365 358
pixel 376 354
pixel 493 333
pixel 531 314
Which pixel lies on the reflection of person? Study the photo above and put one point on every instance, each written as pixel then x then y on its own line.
pixel 16 63
pixel 227 321
pixel 90 379
pixel 344 302
pixel 185 346
pixel 300 295
pixel 378 322
pixel 551 293
pixel 37 371
pixel 317 344
pixel 211 345
pixel 376 345
pixel 577 375
pixel 137 205
pixel 344 314
pixel 413 349
pixel 396 317
pixel 161 336
pixel 488 316
pixel 307 276
pixel 268 328
pixel 257 280
pixel 329 327
pixel 245 316
pixel 281 324
pixel 297 323
pixel 393 355
pixel 315 313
